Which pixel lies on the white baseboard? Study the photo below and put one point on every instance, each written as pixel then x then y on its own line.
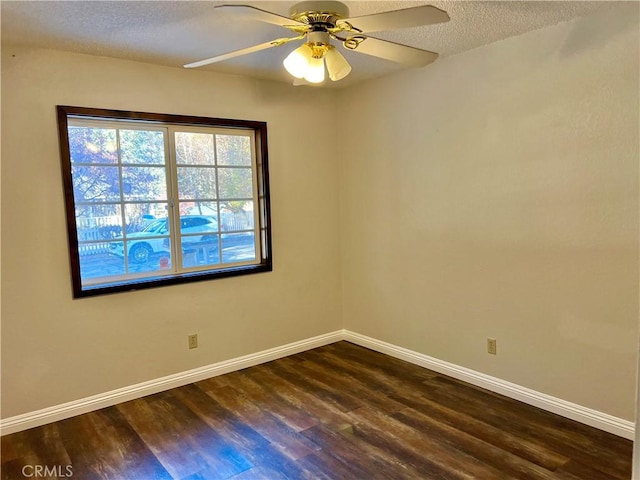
pixel 603 421
pixel 588 416
pixel 107 399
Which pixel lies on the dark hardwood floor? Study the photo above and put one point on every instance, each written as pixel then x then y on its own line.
pixel 336 412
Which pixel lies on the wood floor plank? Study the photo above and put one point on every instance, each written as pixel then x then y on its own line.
pixel 261 396
pixel 289 390
pixel 417 464
pixel 493 412
pixel 548 422
pixel 41 446
pixel 225 422
pixel 263 421
pixel 377 377
pixel 440 450
pixel 329 378
pixel 577 471
pixel 507 441
pixel 505 462
pixel 338 412
pixel 324 466
pixel 181 441
pixel 353 452
pixel 102 445
pixel 276 465
pixel 393 367
pixel 38 446
pixel 341 400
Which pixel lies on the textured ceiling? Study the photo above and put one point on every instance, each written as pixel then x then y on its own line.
pixel 174 33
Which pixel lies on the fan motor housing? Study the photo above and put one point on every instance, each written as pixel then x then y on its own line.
pixel 319 12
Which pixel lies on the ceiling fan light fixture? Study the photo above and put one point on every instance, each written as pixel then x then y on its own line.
pixel 297 62
pixel 320 21
pixel 315 71
pixel 337 65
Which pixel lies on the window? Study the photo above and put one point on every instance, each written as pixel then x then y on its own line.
pixel 156 199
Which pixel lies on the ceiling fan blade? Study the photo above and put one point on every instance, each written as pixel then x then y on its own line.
pixel 414 57
pixel 253 13
pixel 408 17
pixel 244 51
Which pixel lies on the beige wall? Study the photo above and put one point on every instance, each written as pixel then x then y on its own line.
pixel 55 349
pixel 635 474
pixel 495 194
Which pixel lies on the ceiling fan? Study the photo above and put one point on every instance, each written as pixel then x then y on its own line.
pixel 319 22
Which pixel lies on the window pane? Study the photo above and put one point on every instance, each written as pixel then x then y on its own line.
pixel 238 247
pixel 198 224
pixel 233 150
pixel 141 146
pixel 194 148
pixel 236 216
pixel 196 182
pixel 199 208
pixel 143 250
pixel 235 182
pixel 93 145
pixel 200 250
pixel 139 216
pixel 155 228
pixel 98 222
pixel 97 260
pixel 147 238
pixel 95 184
pixel 144 183
pixel 149 255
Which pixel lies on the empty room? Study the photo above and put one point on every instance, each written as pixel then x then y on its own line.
pixel 320 240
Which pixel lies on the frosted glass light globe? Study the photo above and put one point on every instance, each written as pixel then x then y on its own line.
pixel 315 72
pixel 297 62
pixel 337 65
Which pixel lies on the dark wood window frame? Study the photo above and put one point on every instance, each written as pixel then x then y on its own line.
pixel 263 229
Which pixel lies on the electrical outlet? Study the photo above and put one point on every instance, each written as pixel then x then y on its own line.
pixel 491 346
pixel 193 341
